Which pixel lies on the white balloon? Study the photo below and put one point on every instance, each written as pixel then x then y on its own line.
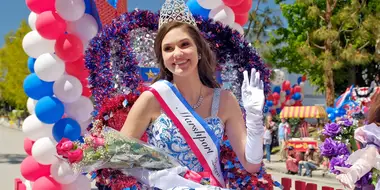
pixel 32 20
pixel 238 28
pixel 210 4
pixel 302 85
pixel 279 77
pixel 31 104
pixel 84 125
pixel 35 45
pixel 85 28
pixel 80 110
pixel 44 151
pixel 49 67
pixel 282 99
pixel 292 102
pixel 223 14
pixel 282 94
pixel 81 183
pixel 62 172
pixel 70 10
pixel 67 88
pixel 34 129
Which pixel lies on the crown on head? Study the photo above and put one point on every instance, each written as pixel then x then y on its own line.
pixel 175 10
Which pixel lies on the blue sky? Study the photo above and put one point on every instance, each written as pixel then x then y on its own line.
pixel 15 11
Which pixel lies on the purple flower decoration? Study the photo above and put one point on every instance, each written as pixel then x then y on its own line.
pixel 364 181
pixel 342 149
pixel 338 161
pixel 328 148
pixel 331 129
pixel 345 122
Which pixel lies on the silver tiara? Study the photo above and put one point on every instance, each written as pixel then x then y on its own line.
pixel 175 10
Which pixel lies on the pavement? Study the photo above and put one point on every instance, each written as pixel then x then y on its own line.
pixel 12 154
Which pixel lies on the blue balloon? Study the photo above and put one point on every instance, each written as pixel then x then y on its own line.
pixel 287 92
pixel 296 96
pixel 49 110
pixel 278 110
pixel 269 103
pixel 197 9
pixel 330 110
pixel 266 109
pixel 31 62
pixel 277 89
pixel 331 116
pixel 342 111
pixel 66 128
pixel 299 80
pixel 36 88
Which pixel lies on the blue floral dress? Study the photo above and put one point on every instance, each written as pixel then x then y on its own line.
pixel 163 134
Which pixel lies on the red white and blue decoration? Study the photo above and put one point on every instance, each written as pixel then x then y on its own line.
pixel 57 88
pixel 284 93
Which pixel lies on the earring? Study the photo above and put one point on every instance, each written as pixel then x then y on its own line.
pixel 199 57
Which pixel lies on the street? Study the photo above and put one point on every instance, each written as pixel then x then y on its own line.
pixel 12 153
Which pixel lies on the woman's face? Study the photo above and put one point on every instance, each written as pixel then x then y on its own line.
pixel 179 53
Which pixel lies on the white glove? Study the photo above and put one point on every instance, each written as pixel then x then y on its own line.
pixel 253 98
pixel 362 162
pixel 163 179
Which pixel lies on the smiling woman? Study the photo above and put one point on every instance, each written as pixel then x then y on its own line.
pixel 189 97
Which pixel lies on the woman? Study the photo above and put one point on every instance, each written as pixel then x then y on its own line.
pixel 292 160
pixel 187 63
pixel 363 160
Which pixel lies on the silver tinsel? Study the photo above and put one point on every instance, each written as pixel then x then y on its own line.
pixel 142 43
pixel 230 79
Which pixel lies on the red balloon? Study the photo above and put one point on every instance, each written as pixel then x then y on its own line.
pixel 276 96
pixel 50 25
pixel 77 69
pixel 304 78
pixel 86 92
pixel 286 85
pixel 297 89
pixel 46 183
pixel 28 144
pixel 32 170
pixel 232 3
pixel 298 103
pixel 39 6
pixel 243 7
pixel 270 97
pixel 273 112
pixel 241 18
pixel 275 102
pixel 68 47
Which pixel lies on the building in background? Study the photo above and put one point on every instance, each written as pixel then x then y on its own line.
pixel 110 9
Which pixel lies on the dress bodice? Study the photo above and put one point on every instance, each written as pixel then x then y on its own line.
pixel 162 133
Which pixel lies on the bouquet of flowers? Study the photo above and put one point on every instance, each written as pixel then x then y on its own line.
pixel 107 148
pixel 339 143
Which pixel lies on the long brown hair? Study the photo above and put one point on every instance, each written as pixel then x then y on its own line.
pixel 207 63
pixel 374 110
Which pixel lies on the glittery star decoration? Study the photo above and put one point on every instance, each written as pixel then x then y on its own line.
pixel 150 74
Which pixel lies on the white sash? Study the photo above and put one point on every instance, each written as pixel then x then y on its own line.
pixel 200 138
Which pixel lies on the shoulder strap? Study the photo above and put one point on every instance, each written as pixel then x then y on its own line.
pixel 215 102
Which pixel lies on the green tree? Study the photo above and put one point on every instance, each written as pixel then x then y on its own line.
pixel 262 19
pixel 13 68
pixel 326 38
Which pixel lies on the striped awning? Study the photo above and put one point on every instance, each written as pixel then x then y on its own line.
pixel 303 112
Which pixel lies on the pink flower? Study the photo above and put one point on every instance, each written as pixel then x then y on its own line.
pixel 75 156
pixel 64 146
pixel 98 141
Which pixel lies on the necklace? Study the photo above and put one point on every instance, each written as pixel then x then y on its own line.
pixel 200 100
pixel 199 103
